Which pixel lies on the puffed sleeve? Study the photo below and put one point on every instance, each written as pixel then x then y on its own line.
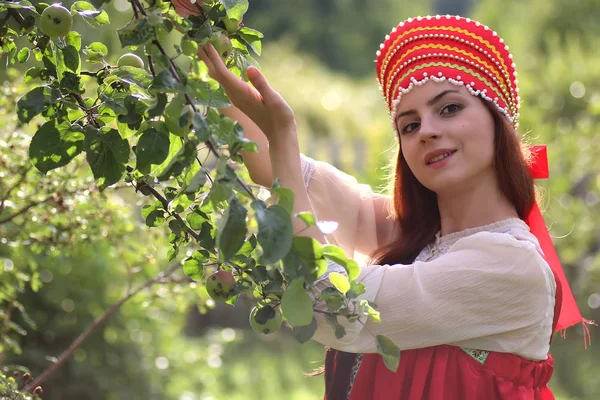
pixel 362 215
pixel 490 291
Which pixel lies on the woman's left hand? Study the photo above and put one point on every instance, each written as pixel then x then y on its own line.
pixel 263 105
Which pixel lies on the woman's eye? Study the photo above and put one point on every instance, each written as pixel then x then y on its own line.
pixel 410 127
pixel 450 109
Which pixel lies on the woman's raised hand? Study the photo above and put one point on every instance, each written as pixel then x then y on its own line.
pixel 263 105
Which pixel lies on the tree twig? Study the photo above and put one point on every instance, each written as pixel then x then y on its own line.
pixel 165 204
pixel 92 328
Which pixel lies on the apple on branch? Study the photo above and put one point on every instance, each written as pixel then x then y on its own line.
pixel 56 21
pixel 265 319
pixel 220 285
pixel 130 60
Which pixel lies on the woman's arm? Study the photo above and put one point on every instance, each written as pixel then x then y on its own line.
pixel 258 164
pixel 490 291
pixel 364 223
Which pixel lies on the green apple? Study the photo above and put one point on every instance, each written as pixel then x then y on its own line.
pixel 56 21
pixel 174 111
pixel 220 285
pixel 265 319
pixel 130 60
pixel 232 25
pixel 222 44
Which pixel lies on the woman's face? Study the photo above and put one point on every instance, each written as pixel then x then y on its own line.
pixel 446 137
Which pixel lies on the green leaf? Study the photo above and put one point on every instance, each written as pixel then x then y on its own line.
pixel 275 231
pixel 135 107
pixel 175 145
pixel 165 82
pixel 194 179
pixel 356 289
pixel 96 52
pixel 71 83
pixel 353 269
pixel 339 329
pixel 307 217
pixel 248 247
pixel 31 74
pixel 23 55
pixel 296 304
pixel 152 148
pixel 235 8
pixel 196 218
pixel 193 266
pixel 35 102
pixel 337 255
pixel 307 249
pixel 157 108
pixel 136 32
pixel 132 75
pixel 208 94
pixel 73 39
pixel 232 232
pixel 154 214
pixel 182 160
pixel 90 14
pixel 389 352
pixel 201 128
pixel 285 198
pixel 24 5
pixel 340 282
pixel 304 333
pixel 69 57
pixel 219 192
pixel 252 38
pixel 372 313
pixel 107 154
pixel 55 144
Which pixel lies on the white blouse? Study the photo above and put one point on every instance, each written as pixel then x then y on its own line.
pixel 485 288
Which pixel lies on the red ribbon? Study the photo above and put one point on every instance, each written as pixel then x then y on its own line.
pixel 569 312
pixel 539 162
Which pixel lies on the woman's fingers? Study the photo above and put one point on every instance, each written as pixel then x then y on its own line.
pixel 204 57
pixel 261 84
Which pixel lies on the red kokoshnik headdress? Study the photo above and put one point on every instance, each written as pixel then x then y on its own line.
pixel 467 53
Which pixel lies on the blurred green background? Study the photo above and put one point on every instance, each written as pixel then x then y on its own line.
pixel 72 255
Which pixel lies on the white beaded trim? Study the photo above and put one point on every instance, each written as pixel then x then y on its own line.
pixel 470 87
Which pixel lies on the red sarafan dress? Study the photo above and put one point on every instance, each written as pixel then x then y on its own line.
pixel 454 373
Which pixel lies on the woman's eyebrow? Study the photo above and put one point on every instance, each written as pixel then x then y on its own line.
pixel 430 102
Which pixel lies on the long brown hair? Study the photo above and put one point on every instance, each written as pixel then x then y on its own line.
pixel 417 214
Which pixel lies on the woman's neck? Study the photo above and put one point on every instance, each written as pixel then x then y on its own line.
pixel 480 205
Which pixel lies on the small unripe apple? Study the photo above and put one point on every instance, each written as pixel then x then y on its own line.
pixel 220 285
pixel 56 21
pixel 232 25
pixel 130 60
pixel 265 319
pixel 173 113
pixel 222 44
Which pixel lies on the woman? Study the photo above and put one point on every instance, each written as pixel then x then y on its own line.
pixel 469 291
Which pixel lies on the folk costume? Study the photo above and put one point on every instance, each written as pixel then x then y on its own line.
pixel 474 314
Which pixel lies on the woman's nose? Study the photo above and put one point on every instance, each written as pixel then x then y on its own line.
pixel 429 129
